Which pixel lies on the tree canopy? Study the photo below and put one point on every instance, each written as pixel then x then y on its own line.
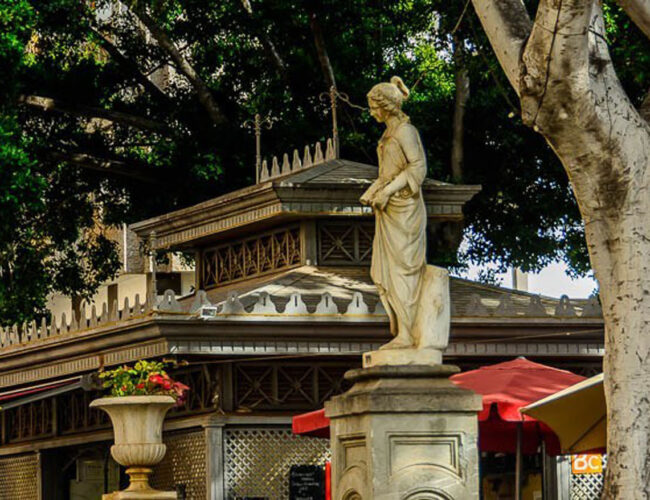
pixel 111 112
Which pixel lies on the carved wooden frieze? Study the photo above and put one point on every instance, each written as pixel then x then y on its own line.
pixel 251 257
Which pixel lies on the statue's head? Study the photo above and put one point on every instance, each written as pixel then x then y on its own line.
pixel 386 99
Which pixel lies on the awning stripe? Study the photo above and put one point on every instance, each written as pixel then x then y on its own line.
pixel 30 394
pixel 45 385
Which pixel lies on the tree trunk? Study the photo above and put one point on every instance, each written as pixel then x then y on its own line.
pixel 461 81
pixel 321 47
pixel 569 92
pixel 626 308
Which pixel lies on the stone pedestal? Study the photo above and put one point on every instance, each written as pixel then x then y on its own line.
pixel 402 357
pixel 137 425
pixel 148 494
pixel 404 433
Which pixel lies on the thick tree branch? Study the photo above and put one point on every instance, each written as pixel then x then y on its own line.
pixel 321 47
pixel 49 104
pixel 507 26
pixel 639 12
pixel 108 166
pixel 558 43
pixel 461 81
pixel 131 67
pixel 203 92
pixel 269 47
pixel 571 94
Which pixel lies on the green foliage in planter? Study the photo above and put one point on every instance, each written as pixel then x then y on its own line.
pixel 145 378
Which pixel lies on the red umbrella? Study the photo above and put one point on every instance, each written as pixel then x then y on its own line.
pixel 314 423
pixel 507 387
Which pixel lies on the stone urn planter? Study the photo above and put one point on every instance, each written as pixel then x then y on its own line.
pixel 137 425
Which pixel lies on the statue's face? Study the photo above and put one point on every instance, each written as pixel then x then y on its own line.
pixel 376 111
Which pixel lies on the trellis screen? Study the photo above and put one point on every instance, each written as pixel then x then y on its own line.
pixel 587 486
pixel 19 477
pixel 183 465
pixel 257 460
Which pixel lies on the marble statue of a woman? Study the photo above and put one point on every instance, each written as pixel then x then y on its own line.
pixel 414 294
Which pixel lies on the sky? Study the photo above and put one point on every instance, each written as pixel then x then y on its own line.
pixel 551 281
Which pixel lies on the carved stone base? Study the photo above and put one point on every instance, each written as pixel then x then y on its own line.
pixel 404 433
pixel 402 357
pixel 139 488
pixel 139 495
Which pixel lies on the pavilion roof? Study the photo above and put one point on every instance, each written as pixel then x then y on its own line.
pixel 315 188
pixel 311 284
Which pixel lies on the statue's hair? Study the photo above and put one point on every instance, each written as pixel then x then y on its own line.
pixel 390 96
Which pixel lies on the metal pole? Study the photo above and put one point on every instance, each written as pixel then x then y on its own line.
pixel 335 126
pixel 257 124
pixel 154 284
pixel 518 464
pixel 258 147
pixel 333 95
pixel 544 471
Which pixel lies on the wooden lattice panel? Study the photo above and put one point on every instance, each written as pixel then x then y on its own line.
pixel 204 384
pixel 19 477
pixel 76 415
pixel 29 421
pixel 247 258
pixel 183 465
pixel 292 386
pixel 341 243
pixel 257 461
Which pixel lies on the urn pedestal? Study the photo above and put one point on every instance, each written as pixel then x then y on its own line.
pixel 137 425
pixel 404 433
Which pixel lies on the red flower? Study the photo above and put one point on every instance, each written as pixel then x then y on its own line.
pixel 155 378
pixel 181 393
pixel 140 385
pixel 180 388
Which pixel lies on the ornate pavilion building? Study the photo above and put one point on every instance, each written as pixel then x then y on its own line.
pixel 284 307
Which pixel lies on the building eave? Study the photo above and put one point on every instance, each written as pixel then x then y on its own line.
pixel 186 335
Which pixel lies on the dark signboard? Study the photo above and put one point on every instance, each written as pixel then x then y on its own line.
pixel 306 482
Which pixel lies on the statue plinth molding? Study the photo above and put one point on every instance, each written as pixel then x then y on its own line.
pixel 402 357
pixel 404 432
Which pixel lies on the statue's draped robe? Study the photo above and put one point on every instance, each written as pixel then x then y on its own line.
pixel 399 267
pixel 399 247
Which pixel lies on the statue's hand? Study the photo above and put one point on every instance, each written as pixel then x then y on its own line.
pixel 368 196
pixel 380 199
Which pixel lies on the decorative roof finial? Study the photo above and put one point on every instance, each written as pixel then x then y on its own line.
pixel 256 124
pixel 333 94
